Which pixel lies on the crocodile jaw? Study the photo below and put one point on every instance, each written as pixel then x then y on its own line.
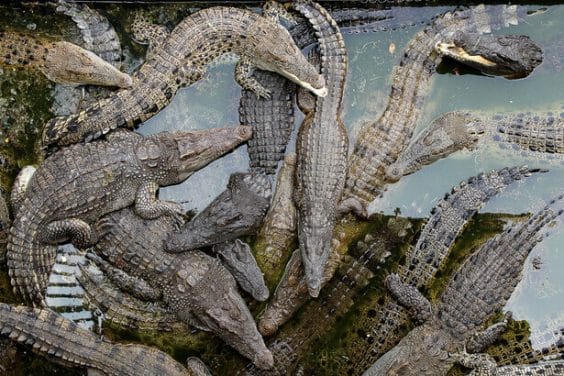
pixel 458 53
pixel 321 92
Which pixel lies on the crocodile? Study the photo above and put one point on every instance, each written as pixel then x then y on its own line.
pixel 237 211
pixel 76 186
pixel 478 289
pixel 278 230
pixel 62 341
pixel 181 60
pixel 379 143
pixel 541 133
pixel 273 118
pixel 193 286
pixel 321 149
pixel 445 223
pixel 60 61
pixel 5 222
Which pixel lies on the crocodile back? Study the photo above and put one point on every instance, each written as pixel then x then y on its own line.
pixel 488 277
pixel 272 120
pixel 83 182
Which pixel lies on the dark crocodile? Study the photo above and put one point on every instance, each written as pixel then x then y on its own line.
pixel 237 211
pixel 62 341
pixel 321 149
pixel 76 186
pixel 182 60
pixel 541 133
pixel 193 286
pixel 60 61
pixel 380 143
pixel 239 260
pixel 479 288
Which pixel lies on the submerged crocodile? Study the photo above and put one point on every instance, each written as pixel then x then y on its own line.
pixel 460 130
pixel 193 286
pixel 76 186
pixel 480 287
pixel 60 61
pixel 64 342
pixel 321 149
pixel 380 143
pixel 181 60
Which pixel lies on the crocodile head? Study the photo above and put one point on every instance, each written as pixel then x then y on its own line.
pixel 67 63
pixel 183 153
pixel 447 134
pixel 511 56
pixel 280 54
pixel 315 247
pixel 209 292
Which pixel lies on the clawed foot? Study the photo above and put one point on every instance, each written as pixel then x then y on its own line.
pixel 261 92
pixel 176 212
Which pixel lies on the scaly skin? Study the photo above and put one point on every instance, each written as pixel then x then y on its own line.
pixel 553 368
pixel 478 289
pixel 447 220
pixel 272 118
pixel 278 230
pixel 62 62
pixel 64 342
pixel 542 133
pixel 380 143
pixel 194 286
pixel 182 60
pixel 76 186
pixel 321 149
pixel 239 260
pixel 5 222
pixel 237 211
pixel 98 34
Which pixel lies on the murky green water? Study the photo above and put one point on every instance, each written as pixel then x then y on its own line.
pixel 539 298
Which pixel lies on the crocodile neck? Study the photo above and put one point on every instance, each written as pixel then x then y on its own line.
pixel 380 143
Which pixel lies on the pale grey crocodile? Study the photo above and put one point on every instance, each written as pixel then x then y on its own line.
pixel 60 61
pixel 542 133
pixel 380 143
pixel 76 186
pixel 479 288
pixel 181 60
pixel 321 149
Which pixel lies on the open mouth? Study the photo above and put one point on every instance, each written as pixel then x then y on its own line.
pixel 458 53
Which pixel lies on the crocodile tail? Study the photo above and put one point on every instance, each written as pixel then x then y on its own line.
pixel 64 342
pixel 29 261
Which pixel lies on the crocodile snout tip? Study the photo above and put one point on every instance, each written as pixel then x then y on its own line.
pixel 244 132
pixel 264 359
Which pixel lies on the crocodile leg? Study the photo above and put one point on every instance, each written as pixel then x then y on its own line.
pixel 135 286
pixel 409 297
pixel 146 32
pixel 484 363
pixel 486 337
pixel 243 75
pixel 147 206
pixel 76 230
pixel 275 10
